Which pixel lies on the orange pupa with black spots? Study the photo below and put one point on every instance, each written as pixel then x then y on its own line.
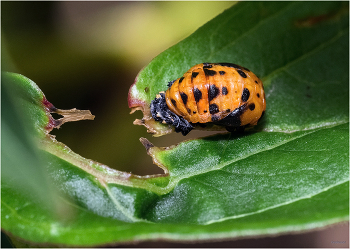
pixel 220 93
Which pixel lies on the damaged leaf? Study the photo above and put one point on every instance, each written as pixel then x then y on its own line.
pixel 290 176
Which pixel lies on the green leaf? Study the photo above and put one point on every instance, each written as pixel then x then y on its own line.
pixel 19 156
pixel 290 174
pixel 265 170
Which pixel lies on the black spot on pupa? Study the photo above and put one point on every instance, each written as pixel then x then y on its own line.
pixel 241 73
pixel 184 97
pixel 174 102
pixel 170 83
pixel 224 90
pixel 189 110
pixel 256 82
pixel 222 72
pixel 213 108
pixel 205 111
pixel 228 110
pixel 229 65
pixel 245 95
pixel 258 95
pixel 146 89
pixel 194 112
pixel 181 79
pixel 233 120
pixel 194 74
pixel 207 65
pixel 197 94
pixel 209 72
pixel 251 106
pixel 213 92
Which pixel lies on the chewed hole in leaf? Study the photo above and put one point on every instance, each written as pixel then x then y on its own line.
pixel 285 178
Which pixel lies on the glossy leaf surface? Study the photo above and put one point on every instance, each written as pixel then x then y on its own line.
pixel 290 174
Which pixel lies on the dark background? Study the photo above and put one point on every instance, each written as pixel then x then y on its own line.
pixel 85 55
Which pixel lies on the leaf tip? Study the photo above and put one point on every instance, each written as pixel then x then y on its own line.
pixel 146 143
pixel 153 151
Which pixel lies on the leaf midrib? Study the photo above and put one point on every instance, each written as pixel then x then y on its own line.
pixel 47 225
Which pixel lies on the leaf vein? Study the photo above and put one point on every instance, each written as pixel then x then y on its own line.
pixel 173 182
pixel 211 186
pixel 120 207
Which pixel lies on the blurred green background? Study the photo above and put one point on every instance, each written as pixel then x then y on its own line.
pixel 85 55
